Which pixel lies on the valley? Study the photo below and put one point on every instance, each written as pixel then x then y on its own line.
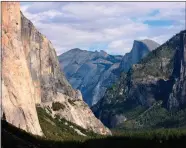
pixel 83 98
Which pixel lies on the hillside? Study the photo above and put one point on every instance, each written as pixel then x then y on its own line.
pixel 90 72
pixel 152 94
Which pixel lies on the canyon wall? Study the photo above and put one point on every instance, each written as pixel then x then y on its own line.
pixel 31 75
pixel 18 97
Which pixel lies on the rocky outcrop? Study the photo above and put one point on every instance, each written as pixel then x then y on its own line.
pixel 139 50
pixel 178 96
pixel 157 81
pixel 50 81
pixel 90 72
pixel 42 63
pixel 35 76
pixel 18 97
pixel 75 111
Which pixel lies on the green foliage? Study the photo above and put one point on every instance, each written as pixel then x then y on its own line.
pixel 49 109
pixel 159 62
pixel 154 117
pixel 135 112
pixel 71 102
pixel 57 106
pixel 114 86
pixel 150 134
pixel 60 129
pixel 175 119
pixel 154 65
pixel 13 137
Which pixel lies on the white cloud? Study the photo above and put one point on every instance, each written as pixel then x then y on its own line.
pixel 117 24
pixel 120 46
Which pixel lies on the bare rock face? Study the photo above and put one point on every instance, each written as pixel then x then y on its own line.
pixel 18 97
pixel 90 72
pixel 50 83
pixel 76 111
pixel 78 95
pixel 178 96
pixel 139 50
pixel 42 63
pixel 31 75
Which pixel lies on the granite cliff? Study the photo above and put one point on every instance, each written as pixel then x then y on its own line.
pixel 31 75
pixel 18 91
pixel 139 50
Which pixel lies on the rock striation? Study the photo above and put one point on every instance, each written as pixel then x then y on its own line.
pixel 18 91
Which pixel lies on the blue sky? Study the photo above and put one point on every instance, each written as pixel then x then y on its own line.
pixel 109 26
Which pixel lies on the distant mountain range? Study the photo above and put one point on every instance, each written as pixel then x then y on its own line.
pixel 93 72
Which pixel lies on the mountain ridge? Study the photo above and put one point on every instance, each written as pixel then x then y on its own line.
pixel 86 65
pixel 99 70
pixel 160 76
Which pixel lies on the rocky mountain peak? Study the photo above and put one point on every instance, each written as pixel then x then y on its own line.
pixel 103 53
pixel 139 50
pixel 146 43
pixel 150 44
pixel 75 50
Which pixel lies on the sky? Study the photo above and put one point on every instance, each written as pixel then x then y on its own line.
pixel 108 26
